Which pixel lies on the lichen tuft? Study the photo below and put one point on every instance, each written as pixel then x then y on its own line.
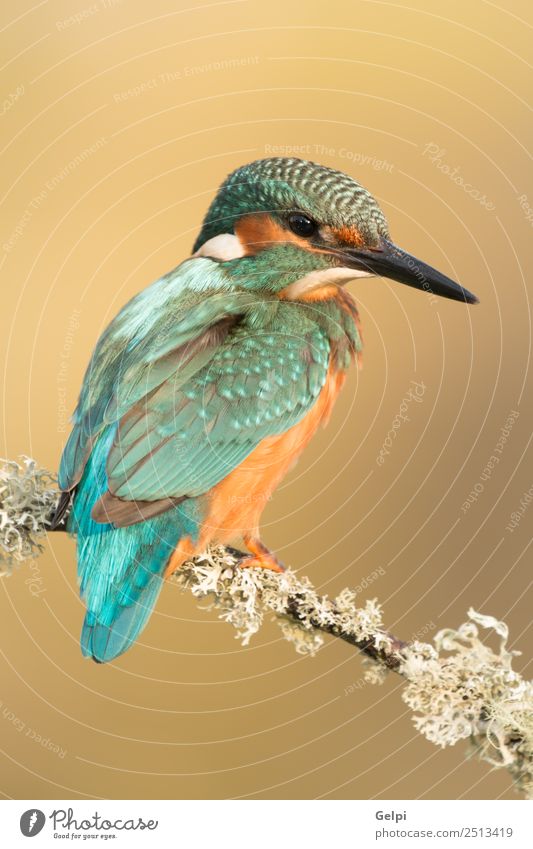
pixel 27 499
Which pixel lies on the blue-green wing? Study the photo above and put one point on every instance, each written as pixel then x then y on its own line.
pixel 191 376
pixel 186 437
pixel 167 331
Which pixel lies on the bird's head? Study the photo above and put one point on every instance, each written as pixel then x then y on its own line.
pixel 294 226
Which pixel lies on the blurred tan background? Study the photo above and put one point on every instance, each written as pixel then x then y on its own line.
pixel 119 120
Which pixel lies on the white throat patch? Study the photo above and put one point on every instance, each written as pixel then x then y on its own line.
pixel 316 279
pixel 223 247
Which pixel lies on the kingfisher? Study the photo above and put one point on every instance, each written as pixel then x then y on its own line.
pixel 206 387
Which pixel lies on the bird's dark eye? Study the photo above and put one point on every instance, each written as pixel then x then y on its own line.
pixel 302 225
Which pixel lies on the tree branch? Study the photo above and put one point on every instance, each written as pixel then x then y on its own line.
pixel 459 688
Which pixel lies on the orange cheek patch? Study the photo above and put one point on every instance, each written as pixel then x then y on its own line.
pixel 348 236
pixel 257 232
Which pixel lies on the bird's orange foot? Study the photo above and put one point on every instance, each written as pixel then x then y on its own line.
pixel 261 557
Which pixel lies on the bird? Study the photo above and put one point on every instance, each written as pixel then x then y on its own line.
pixel 206 387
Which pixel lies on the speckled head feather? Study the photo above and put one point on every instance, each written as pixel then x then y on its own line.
pixel 282 185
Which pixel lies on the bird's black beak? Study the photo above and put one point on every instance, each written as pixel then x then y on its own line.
pixel 390 261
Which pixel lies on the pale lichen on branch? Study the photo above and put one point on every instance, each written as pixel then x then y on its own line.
pixel 28 496
pixel 460 688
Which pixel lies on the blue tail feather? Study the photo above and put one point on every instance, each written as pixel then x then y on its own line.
pixel 103 641
pixel 120 569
